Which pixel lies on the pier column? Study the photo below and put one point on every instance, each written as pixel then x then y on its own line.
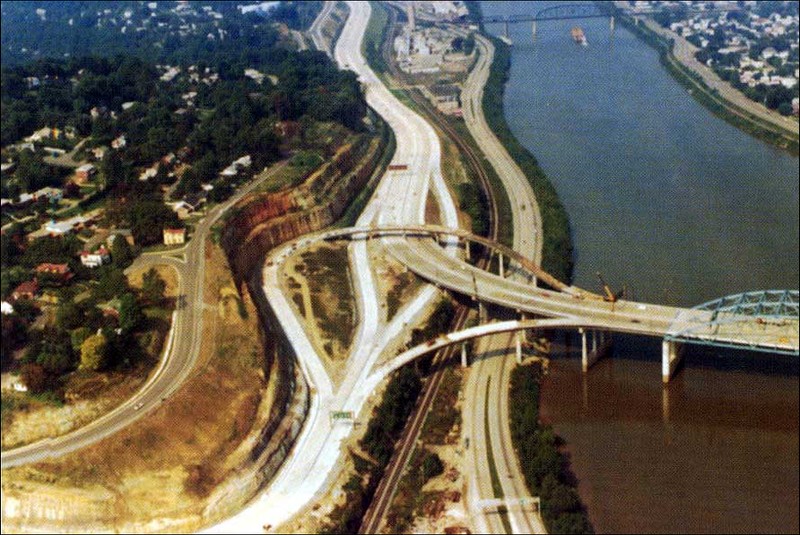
pixel 464 361
pixel 671 352
pixel 466 249
pixel 611 23
pixel 584 352
pixel 481 312
pixel 533 29
pixel 500 268
pixel 505 29
pixel 518 348
pixel 599 348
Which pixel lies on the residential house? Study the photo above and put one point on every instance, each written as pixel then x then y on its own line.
pixel 55 272
pixel 174 236
pixel 48 298
pixel 52 194
pixel 95 259
pixel 26 290
pixel 84 173
pixel 98 153
pixel 119 142
pixel 149 173
pixel 125 233
pixel 98 111
pixel 66 226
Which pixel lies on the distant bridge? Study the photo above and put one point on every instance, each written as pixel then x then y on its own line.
pixel 583 11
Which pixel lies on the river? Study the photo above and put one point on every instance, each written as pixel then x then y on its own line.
pixel 682 208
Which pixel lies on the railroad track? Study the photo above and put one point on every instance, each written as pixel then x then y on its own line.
pixel 405 447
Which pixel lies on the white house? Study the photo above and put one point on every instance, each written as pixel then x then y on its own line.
pixel 96 259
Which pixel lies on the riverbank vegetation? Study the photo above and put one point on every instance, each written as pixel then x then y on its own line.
pixel 705 95
pixel 557 246
pixel 545 467
pixel 377 445
pixel 374 36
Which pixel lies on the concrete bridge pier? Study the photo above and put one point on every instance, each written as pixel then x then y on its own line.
pixel 500 268
pixel 671 355
pixel 518 347
pixel 481 312
pixel 505 29
pixel 611 24
pixel 466 249
pixel 464 360
pixel 600 344
pixel 533 29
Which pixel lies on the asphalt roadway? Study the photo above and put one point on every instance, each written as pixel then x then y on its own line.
pixel 181 352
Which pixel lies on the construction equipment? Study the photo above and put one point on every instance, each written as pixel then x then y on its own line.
pixel 610 296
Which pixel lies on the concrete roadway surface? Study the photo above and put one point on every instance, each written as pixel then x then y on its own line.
pixel 399 198
pixel 486 426
pixel 315 31
pixel 180 354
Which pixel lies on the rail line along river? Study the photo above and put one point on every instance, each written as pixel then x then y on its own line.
pixel 683 208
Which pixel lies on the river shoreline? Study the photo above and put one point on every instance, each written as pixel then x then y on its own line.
pixel 740 115
pixel 715 405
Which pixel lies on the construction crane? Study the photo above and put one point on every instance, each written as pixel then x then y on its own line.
pixel 610 296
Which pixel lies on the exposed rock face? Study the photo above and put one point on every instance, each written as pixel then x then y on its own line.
pixel 267 220
pixel 262 222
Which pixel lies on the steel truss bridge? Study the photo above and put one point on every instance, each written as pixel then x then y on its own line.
pixel 749 320
pixel 586 11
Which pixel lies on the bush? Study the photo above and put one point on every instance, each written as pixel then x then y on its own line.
pixel 432 466
pixel 543 465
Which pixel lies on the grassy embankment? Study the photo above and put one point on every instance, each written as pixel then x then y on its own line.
pixel 374 37
pixel 545 468
pixel 350 215
pixel 327 272
pixel 705 95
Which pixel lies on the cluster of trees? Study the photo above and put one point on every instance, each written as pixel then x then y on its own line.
pixel 83 338
pixel 473 201
pixel 545 468
pixel 32 173
pixel 557 248
pixel 383 430
pixel 296 15
pixel 463 44
pixel 60 101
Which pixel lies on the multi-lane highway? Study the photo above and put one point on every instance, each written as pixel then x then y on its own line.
pixel 180 354
pixel 400 200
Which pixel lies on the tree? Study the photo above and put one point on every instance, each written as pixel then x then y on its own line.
pixel 121 252
pixel 93 353
pixel 112 282
pixel 130 313
pixel 55 352
pixel 785 108
pixel 15 334
pixel 35 378
pixel 432 466
pixel 79 336
pixel 153 287
pixel 69 315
